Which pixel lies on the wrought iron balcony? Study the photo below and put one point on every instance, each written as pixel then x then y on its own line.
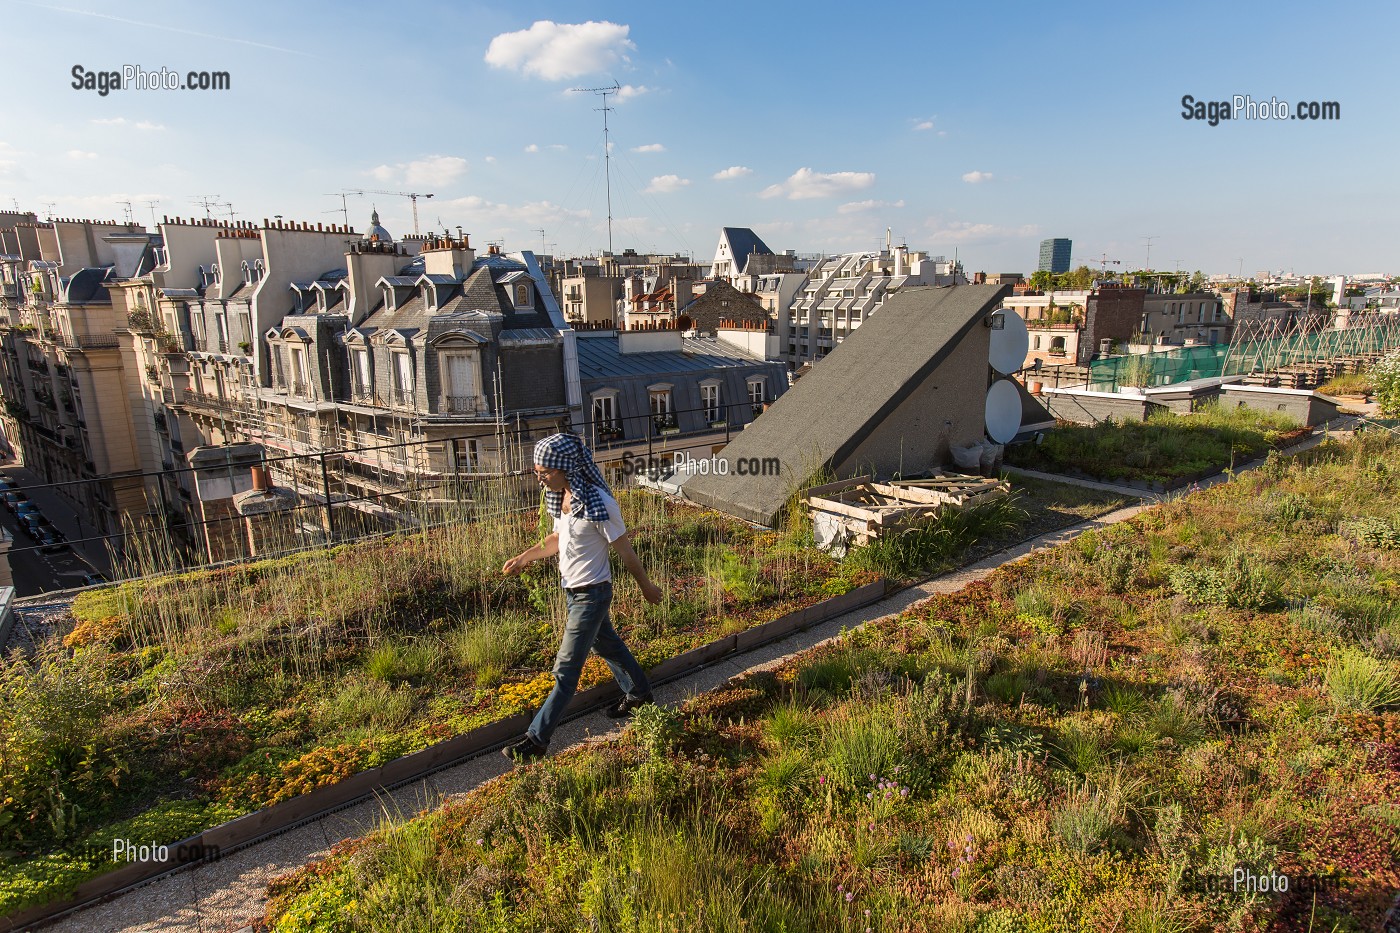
pixel 461 404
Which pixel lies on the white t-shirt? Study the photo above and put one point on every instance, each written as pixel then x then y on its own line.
pixel 583 545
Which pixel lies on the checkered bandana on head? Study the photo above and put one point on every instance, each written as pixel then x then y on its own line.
pixel 567 452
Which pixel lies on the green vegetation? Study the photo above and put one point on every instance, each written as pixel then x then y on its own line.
pixel 1166 448
pixel 184 700
pixel 1360 383
pixel 1003 758
pixel 1385 380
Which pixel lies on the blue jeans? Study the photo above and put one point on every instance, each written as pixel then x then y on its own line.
pixel 588 627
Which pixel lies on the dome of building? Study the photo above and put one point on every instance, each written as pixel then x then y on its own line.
pixel 376 232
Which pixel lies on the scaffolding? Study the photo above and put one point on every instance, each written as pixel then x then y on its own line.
pixel 1260 353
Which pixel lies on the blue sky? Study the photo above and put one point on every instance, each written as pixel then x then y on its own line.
pixel 975 128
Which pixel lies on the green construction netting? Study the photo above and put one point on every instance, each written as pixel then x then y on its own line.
pixel 1183 364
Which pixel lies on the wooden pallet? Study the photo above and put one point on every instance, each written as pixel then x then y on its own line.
pixel 859 510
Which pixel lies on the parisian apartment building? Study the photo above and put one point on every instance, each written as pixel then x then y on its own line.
pixel 150 370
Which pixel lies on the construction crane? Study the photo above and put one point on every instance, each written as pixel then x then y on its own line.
pixel 1104 262
pixel 411 195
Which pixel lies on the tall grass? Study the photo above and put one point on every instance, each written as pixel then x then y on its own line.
pixel 1357 681
pixel 1163 448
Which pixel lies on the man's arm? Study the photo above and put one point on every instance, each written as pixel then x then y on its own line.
pixel 546 548
pixel 629 558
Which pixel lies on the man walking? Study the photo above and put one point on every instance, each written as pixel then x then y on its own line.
pixel 587 520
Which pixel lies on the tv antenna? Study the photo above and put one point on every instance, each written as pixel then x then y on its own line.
pixel 207 201
pixel 1148 240
pixel 152 206
pixel 607 145
pixel 344 208
pixel 126 212
pixel 540 231
pixel 48 208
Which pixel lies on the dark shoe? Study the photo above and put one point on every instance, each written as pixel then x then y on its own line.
pixel 527 749
pixel 626 705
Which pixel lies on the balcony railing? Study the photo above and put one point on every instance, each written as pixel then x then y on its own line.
pixel 221 402
pixel 403 398
pixel 89 341
pixel 461 404
pixel 301 390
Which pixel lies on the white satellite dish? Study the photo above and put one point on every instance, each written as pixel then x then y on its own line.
pixel 1003 411
pixel 1009 343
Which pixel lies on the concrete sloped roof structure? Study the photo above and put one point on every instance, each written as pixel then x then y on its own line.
pixel 907 385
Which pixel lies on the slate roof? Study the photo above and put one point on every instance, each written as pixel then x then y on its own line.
pixel 840 403
pixel 742 242
pixel 600 358
pixel 479 292
pixel 86 285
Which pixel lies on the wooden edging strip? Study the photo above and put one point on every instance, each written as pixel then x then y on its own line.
pixel 280 817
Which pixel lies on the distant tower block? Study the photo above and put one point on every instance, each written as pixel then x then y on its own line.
pixel 1054 255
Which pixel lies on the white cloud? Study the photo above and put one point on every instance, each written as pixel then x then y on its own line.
pixel 856 207
pixel 805 183
pixel 123 121
pixel 976 178
pixel 558 147
pixel 434 171
pixel 963 231
pixel 649 147
pixel 489 159
pixel 629 91
pixel 555 51
pixel 81 154
pixel 532 148
pixel 531 213
pixel 733 172
pixel 665 184
pixel 924 125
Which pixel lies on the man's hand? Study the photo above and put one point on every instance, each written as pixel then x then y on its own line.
pixel 652 592
pixel 515 565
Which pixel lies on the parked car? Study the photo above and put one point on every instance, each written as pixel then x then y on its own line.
pixel 32 523
pixel 51 541
pixel 95 579
pixel 25 507
pixel 13 497
pixel 6 483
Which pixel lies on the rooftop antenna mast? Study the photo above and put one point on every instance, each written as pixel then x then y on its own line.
pixel 126 212
pixel 607 145
pixel 152 206
pixel 1148 240
pixel 48 208
pixel 344 208
pixel 207 201
pixel 540 231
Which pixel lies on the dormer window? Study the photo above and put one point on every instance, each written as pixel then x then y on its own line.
pixel 522 296
pixel 430 297
pixel 389 303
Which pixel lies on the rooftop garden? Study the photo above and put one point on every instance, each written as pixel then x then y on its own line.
pixel 1166 448
pixel 174 703
pixel 1149 728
